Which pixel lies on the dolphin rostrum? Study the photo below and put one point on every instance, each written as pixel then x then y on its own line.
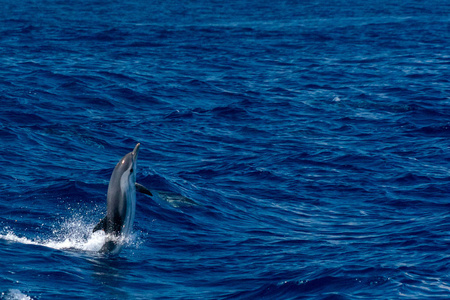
pixel 121 203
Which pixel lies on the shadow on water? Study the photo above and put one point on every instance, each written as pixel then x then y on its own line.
pixel 173 199
pixel 117 277
pixel 111 272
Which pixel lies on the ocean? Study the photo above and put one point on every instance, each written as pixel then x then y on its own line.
pixel 295 149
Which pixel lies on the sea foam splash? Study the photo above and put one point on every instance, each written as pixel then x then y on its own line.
pixel 72 234
pixel 93 243
pixel 14 294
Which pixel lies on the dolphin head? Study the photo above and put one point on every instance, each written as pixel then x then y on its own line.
pixel 132 156
pixel 127 165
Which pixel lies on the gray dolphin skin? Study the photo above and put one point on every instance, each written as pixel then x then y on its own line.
pixel 121 203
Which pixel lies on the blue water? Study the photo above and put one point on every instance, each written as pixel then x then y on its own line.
pixel 296 150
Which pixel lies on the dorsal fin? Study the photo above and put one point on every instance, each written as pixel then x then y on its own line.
pixel 100 225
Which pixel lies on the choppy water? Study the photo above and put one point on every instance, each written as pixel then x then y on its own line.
pixel 300 149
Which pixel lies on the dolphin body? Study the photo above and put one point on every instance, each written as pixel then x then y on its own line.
pixel 121 203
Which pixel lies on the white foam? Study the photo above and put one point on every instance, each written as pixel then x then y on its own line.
pixel 93 243
pixel 71 234
pixel 14 294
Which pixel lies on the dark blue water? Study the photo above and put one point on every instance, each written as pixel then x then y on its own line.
pixel 297 150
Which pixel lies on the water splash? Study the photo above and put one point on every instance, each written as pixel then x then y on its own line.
pixel 72 234
pixel 14 294
pixel 75 233
pixel 74 240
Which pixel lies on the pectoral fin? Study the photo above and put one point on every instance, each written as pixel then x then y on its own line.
pixel 100 225
pixel 142 189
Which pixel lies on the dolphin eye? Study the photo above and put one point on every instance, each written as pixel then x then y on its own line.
pixel 131 170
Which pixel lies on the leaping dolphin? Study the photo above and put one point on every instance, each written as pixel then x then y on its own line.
pixel 121 203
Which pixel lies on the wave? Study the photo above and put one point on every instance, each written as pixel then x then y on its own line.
pixel 329 287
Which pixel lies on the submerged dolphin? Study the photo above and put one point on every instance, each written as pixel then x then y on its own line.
pixel 121 203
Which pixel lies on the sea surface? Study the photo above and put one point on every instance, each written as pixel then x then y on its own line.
pixel 295 149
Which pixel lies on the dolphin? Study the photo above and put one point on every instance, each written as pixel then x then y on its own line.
pixel 121 203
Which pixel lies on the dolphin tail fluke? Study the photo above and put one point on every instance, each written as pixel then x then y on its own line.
pixel 100 225
pixel 142 189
